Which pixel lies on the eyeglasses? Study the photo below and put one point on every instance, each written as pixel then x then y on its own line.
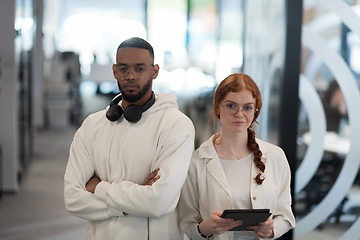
pixel 232 109
pixel 138 72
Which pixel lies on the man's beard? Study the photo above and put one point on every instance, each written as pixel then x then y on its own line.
pixel 131 98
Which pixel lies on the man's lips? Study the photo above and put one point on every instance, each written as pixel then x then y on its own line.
pixel 131 86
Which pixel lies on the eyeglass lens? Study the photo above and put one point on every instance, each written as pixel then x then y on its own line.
pixel 232 109
pixel 138 72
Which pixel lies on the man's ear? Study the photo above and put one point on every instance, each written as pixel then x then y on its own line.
pixel 155 71
pixel 114 71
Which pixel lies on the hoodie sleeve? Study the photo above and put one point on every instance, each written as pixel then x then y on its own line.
pixel 161 198
pixel 80 168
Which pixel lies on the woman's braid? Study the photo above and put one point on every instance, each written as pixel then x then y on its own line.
pixel 254 146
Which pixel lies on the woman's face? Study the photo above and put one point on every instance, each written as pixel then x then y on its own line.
pixel 237 111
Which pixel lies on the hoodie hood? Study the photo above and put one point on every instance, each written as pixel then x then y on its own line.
pixel 164 100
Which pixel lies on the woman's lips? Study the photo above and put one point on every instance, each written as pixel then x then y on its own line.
pixel 238 122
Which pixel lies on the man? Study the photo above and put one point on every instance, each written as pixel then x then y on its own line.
pixel 127 164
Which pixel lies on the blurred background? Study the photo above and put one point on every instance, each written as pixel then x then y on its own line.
pixel 55 70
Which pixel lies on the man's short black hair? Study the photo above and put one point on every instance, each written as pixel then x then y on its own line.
pixel 136 42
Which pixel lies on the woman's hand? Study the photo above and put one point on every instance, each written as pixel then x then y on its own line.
pixel 215 224
pixel 153 177
pixel 264 229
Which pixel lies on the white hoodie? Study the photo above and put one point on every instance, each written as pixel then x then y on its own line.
pixel 122 155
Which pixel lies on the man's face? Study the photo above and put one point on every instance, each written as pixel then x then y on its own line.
pixel 132 88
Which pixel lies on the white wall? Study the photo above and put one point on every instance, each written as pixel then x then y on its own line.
pixel 37 72
pixel 8 97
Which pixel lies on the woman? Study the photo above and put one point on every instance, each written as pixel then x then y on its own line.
pixel 233 170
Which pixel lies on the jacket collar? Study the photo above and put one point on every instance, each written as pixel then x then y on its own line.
pixel 207 150
pixel 214 166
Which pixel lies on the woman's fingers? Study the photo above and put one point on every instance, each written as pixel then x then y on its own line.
pixel 221 225
pixel 264 229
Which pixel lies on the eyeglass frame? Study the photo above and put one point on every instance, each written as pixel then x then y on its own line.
pixel 133 72
pixel 238 109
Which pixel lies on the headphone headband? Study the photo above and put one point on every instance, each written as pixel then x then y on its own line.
pixel 132 113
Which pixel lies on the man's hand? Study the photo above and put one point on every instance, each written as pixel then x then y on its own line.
pixel 153 177
pixel 92 183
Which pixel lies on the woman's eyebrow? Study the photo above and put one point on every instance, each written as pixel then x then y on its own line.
pixel 249 103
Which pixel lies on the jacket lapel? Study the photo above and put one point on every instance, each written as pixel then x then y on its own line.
pixel 213 165
pixel 215 168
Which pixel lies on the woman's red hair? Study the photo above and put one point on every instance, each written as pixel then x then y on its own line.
pixel 235 83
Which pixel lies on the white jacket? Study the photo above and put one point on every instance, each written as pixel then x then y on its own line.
pixel 122 155
pixel 206 189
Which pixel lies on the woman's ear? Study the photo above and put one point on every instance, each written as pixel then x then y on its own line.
pixel 217 112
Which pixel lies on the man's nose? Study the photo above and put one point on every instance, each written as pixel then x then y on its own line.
pixel 131 74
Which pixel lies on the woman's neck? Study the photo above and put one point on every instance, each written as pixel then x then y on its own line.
pixel 234 145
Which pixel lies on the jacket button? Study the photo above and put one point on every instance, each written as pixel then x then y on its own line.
pixel 254 198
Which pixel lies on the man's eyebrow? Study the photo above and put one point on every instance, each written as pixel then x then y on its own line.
pixel 136 64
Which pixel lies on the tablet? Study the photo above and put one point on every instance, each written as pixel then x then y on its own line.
pixel 250 217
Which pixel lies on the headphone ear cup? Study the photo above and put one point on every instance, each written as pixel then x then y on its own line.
pixel 133 113
pixel 114 113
